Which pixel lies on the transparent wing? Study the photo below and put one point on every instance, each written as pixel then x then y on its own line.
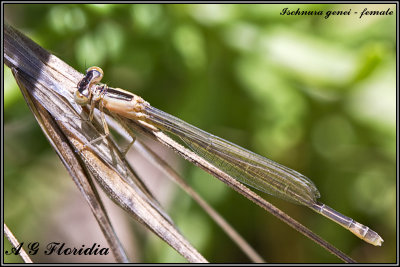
pixel 242 164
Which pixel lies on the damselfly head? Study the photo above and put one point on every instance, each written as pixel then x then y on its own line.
pixel 83 94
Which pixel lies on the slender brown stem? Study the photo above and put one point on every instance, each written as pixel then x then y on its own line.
pixel 237 186
pixel 14 242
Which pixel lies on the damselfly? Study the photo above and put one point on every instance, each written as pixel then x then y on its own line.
pixel 243 165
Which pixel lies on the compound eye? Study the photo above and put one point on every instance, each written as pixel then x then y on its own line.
pixel 81 99
pixel 96 74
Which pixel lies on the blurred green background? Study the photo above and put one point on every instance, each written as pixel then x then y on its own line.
pixel 315 94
